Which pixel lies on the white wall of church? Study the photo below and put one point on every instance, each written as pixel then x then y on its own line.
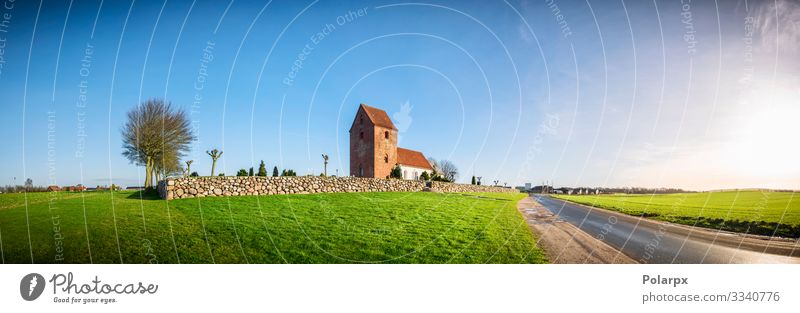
pixel 412 173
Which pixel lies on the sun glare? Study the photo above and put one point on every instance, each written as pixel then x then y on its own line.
pixel 766 140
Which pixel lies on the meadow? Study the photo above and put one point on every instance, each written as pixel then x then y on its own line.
pixel 131 227
pixel 758 212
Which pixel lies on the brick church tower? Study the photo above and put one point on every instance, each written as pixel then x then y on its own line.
pixel 373 143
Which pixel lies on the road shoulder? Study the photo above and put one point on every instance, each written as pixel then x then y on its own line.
pixel 563 242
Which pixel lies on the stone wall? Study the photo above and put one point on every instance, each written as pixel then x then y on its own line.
pixel 450 187
pixel 190 187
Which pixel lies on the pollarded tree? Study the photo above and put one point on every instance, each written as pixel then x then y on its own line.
pixel 189 166
pixel 215 155
pixel 156 136
pixel 325 160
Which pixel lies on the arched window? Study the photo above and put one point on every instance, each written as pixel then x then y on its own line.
pixel 361 135
pixel 361 122
pixel 386 134
pixel 385 158
pixel 360 171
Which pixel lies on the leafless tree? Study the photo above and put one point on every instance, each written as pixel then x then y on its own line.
pixel 188 167
pixel 156 136
pixel 435 167
pixel 215 155
pixel 448 170
pixel 325 159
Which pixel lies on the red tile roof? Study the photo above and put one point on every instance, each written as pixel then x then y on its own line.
pixel 378 117
pixel 412 158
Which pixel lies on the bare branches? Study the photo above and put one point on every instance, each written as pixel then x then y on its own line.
pixel 156 136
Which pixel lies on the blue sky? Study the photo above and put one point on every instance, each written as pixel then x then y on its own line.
pixel 600 93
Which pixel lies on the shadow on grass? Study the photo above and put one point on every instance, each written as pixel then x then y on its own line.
pixel 149 194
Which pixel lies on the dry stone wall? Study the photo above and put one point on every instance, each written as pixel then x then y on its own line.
pixel 191 187
pixel 450 187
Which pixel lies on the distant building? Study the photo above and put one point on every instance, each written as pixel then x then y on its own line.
pixel 134 188
pixel 79 187
pixel 374 151
pixel 53 188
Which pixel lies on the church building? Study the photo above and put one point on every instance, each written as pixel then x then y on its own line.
pixel 374 151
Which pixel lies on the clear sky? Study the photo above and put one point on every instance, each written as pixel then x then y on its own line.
pixel 699 95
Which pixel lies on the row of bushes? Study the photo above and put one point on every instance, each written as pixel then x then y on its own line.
pixel 262 171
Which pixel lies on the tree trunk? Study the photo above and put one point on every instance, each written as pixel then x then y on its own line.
pixel 148 172
pixel 213 165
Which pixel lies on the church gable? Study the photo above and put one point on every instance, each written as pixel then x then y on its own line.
pixel 373 116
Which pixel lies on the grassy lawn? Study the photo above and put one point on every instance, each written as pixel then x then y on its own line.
pixel 319 228
pixel 754 212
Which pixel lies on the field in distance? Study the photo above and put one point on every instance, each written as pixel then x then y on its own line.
pixel 757 212
pixel 102 227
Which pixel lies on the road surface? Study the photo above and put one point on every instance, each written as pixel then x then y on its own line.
pixel 650 241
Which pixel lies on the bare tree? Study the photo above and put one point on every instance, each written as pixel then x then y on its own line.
pixel 188 167
pixel 325 159
pixel 214 154
pixel 156 137
pixel 448 170
pixel 435 166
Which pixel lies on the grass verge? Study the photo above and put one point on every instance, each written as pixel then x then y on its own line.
pixel 753 211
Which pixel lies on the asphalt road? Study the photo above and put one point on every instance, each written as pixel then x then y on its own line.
pixel 650 241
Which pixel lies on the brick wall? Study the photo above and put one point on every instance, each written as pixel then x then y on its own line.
pixel 384 148
pixel 362 148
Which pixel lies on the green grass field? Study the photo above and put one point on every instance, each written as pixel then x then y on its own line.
pixel 320 228
pixel 752 211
